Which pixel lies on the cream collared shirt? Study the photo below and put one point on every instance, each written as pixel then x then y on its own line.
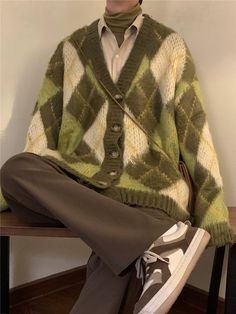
pixel 114 55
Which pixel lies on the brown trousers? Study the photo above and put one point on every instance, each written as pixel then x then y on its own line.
pixel 42 193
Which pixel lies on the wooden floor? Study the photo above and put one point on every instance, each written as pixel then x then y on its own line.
pixel 60 302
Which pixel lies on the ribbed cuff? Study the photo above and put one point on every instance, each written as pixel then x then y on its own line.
pixel 221 234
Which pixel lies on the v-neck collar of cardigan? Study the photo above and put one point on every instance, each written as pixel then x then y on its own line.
pixel 93 50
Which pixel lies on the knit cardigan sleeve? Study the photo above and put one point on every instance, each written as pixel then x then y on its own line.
pixel 46 118
pixel 199 154
pixel 46 115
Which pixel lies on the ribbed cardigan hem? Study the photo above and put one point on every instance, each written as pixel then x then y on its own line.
pixel 221 232
pixel 147 199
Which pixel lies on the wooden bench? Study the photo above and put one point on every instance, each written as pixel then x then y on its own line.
pixel 10 226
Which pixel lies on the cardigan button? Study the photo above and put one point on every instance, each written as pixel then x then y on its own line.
pixel 113 173
pixel 118 97
pixel 116 127
pixel 114 154
pixel 102 182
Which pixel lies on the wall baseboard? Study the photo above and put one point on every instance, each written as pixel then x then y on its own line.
pixel 189 296
pixel 46 285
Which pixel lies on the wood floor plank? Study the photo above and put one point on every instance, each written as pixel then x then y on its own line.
pixel 58 293
pixel 62 301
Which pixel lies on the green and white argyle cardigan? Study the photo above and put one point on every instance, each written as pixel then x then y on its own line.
pixel 79 126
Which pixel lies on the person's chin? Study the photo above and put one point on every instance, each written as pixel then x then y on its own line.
pixel 115 9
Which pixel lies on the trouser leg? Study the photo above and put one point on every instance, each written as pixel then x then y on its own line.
pixel 118 233
pixel 126 289
pixel 31 217
pixel 104 292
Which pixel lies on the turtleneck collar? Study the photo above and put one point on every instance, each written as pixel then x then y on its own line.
pixel 120 21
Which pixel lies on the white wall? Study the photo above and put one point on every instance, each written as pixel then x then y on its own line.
pixel 30 31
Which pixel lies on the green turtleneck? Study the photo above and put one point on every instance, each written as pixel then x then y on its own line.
pixel 119 22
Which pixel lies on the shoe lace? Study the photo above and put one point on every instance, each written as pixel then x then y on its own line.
pixel 150 257
pixel 147 257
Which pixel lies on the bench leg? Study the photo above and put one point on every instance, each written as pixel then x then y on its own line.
pixel 230 292
pixel 212 301
pixel 4 279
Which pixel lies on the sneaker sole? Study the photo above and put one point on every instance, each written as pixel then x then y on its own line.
pixel 162 301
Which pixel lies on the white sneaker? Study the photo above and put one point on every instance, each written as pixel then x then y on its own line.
pixel 165 267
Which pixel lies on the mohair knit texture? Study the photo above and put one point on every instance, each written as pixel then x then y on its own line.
pixel 119 22
pixel 74 123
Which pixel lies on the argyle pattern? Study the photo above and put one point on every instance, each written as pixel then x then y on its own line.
pixel 72 118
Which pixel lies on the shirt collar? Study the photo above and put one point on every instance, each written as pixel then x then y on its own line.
pixel 102 26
